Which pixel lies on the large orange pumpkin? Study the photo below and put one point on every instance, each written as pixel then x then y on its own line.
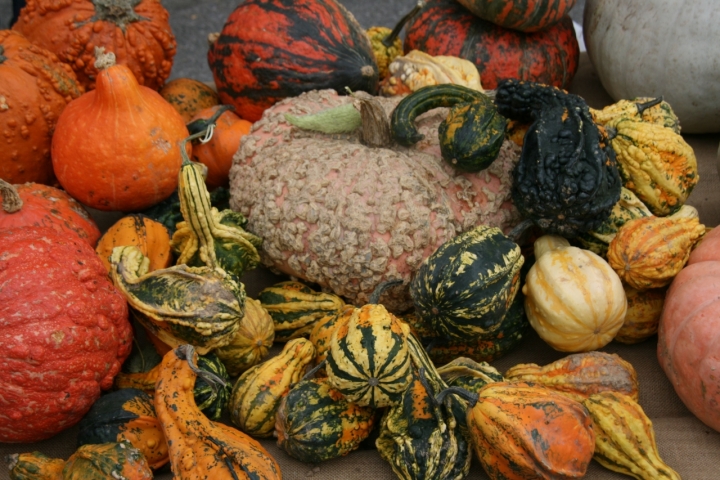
pixel 137 31
pixel 34 89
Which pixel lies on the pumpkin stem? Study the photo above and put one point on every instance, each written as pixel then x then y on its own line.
pixel 342 119
pixel 641 107
pixel 119 12
pixel 519 229
pixel 381 288
pixel 187 352
pixel 390 39
pixel 470 397
pixel 11 198
pixel 375 131
pixel 103 60
pixel 203 124
pixel 311 373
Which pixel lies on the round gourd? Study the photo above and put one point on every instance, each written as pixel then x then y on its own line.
pixel 149 236
pixel 573 299
pixel 189 96
pixel 621 40
pixel 523 15
pixel 643 314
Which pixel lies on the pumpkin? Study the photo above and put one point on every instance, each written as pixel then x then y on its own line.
pixel 34 204
pixel 573 299
pixel 648 252
pixel 687 336
pixel 138 32
pixel 624 437
pixel 526 16
pixel 35 88
pixel 295 308
pixel 444 27
pixel 198 447
pixel 251 343
pixel 609 38
pixel 347 216
pixel 189 96
pixel 270 50
pixel 217 153
pixel 107 460
pixel 643 314
pixel 73 303
pixel 34 466
pixel 314 422
pixel 707 248
pixel 124 169
pixel 257 393
pixel 129 415
pixel 149 236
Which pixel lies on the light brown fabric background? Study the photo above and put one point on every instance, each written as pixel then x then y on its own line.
pixel 685 443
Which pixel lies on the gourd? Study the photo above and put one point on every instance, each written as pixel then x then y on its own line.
pixel 73 303
pixel 463 291
pixel 314 422
pixel 526 16
pixel 149 236
pixel 468 374
pixel 251 343
pixel 257 393
pixel 608 37
pixel 189 96
pixel 581 375
pixel 707 248
pixel 386 43
pixel 35 87
pixel 124 169
pixel 643 314
pixel 641 109
pixel 34 466
pixel 445 27
pixel 648 252
pixel 34 204
pixel 126 415
pixel 198 447
pixel 169 214
pixel 295 308
pixel 138 32
pixel 573 299
pixel 321 333
pixel 624 437
pixel 107 460
pixel 328 50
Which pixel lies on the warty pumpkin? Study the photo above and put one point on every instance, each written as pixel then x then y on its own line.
pixel 108 168
pixel 137 31
pixel 149 236
pixel 35 88
pixel 189 96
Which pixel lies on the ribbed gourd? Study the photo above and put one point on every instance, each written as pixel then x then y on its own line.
pixel 321 334
pixel 641 109
pixel 315 422
pixel 295 307
pixel 256 395
pixel 643 314
pixel 625 438
pixel 468 374
pixel 107 460
pixel 465 288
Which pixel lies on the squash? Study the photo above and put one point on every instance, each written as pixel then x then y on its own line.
pixel 34 204
pixel 198 447
pixel 107 460
pixel 126 415
pixel 149 236
pixel 468 374
pixel 648 252
pixel 624 437
pixel 73 303
pixel 314 422
pixel 444 27
pixel 34 466
pixel 463 291
pixel 573 299
pixel 322 332
pixel 169 214
pixel 108 168
pixel 526 16
pixel 386 43
pixel 642 109
pixel 257 393
pixel 35 88
pixel 253 67
pixel 609 38
pixel 189 96
pixel 138 32
pixel 643 314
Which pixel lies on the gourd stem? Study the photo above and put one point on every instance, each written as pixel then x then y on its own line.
pixel 202 124
pixel 11 198
pixel 375 130
pixel 641 107
pixel 390 39
pixel 103 60
pixel 426 385
pixel 311 373
pixel 381 288
pixel 187 352
pixel 471 398
pixel 518 230
pixel 183 153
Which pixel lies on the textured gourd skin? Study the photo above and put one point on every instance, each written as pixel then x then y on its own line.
pixel 35 466
pixel 189 96
pixel 660 114
pixel 199 448
pixel 107 460
pixel 523 101
pixel 384 55
pixel 643 314
pixel 523 15
pixel 314 422
pixel 624 437
pixel 468 374
pixel 580 375
pixel 256 395
pixel 149 236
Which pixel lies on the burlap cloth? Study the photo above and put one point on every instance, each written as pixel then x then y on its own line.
pixel 685 443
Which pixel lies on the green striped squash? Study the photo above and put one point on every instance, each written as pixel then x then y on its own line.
pixel 468 374
pixel 465 288
pixel 295 307
pixel 321 334
pixel 368 360
pixel 315 422
pixel 212 401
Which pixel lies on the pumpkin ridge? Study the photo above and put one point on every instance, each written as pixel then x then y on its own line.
pixel 690 317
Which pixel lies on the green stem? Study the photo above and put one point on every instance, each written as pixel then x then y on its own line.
pixel 382 288
pixel 202 124
pixel 641 107
pixel 390 39
pixel 471 398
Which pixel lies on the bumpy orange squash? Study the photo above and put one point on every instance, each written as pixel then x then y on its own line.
pixel 149 236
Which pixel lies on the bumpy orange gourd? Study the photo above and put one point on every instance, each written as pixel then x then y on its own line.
pixel 117 147
pixel 34 89
pixel 189 96
pixel 151 237
pixel 138 31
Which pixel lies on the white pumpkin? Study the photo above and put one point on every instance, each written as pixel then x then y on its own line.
pixel 653 48
pixel 573 298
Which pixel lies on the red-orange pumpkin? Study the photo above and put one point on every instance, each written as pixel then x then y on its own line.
pixel 137 31
pixel 523 15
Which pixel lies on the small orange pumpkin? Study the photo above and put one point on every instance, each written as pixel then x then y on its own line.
pixel 145 233
pixel 189 96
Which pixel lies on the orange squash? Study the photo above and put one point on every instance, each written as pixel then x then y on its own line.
pixel 117 147
pixel 151 237
pixel 189 96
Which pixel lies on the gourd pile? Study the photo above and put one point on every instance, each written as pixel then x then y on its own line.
pixel 425 225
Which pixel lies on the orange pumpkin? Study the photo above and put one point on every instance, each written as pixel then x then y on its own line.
pixel 137 31
pixel 145 233
pixel 117 147
pixel 217 154
pixel 34 89
pixel 189 96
